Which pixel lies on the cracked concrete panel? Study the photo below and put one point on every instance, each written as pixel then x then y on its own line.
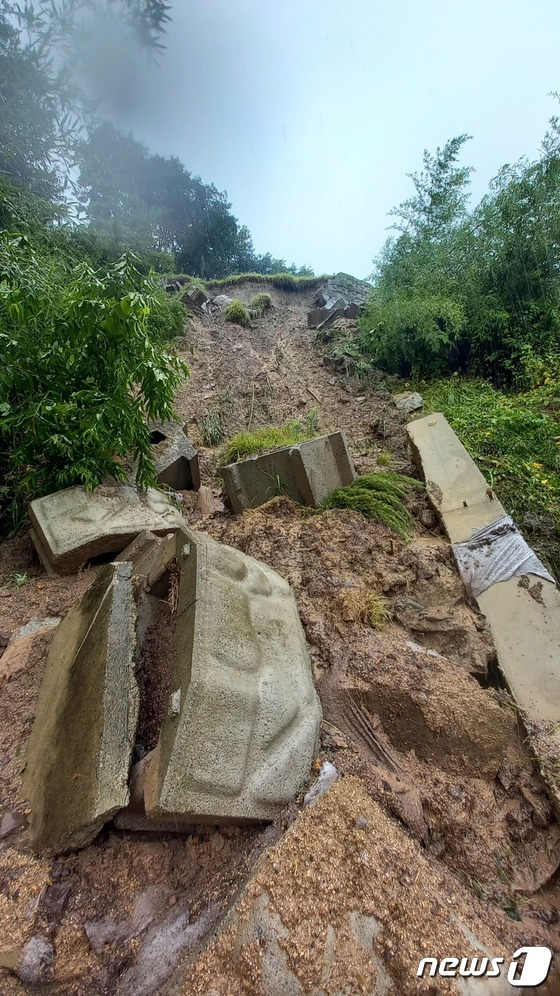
pixel 175 457
pixel 74 525
pixel 80 747
pixel 308 473
pixel 241 729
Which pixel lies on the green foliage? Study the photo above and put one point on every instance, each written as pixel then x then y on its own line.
pixel 413 335
pixel 237 313
pixel 212 430
pixel 261 303
pixel 167 316
pixel 378 496
pixel 378 611
pixel 472 291
pixel 81 372
pixel 246 444
pixel 514 438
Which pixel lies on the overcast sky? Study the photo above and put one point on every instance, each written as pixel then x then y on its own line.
pixel 309 113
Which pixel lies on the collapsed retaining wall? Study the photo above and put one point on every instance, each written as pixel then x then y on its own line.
pixel 193 655
pixel 514 591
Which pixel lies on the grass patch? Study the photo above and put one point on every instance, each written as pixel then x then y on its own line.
pixel 237 313
pixel 260 304
pixel 514 438
pixel 246 444
pixel 282 281
pixel 365 607
pixel 378 496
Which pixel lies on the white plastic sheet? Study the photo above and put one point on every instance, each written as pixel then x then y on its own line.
pixel 496 553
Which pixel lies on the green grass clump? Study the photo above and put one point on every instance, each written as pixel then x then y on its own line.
pixel 282 281
pixel 212 427
pixel 261 303
pixel 237 313
pixel 378 496
pixel 246 444
pixel 514 438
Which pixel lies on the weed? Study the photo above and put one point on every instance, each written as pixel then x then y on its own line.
pixel 368 608
pixel 237 313
pixel 15 580
pixel 246 444
pixel 212 430
pixel 260 304
pixel 378 496
pixel 312 421
pixel 378 611
pixel 384 459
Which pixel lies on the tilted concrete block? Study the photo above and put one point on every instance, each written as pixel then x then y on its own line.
pixel 242 721
pixel 72 526
pixel 79 752
pixel 308 472
pixel 175 457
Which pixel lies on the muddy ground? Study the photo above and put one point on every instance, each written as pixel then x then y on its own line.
pixel 413 710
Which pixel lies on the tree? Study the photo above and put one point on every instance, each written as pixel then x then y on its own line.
pixel 42 109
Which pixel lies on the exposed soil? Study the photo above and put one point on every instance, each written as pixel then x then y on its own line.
pixel 413 710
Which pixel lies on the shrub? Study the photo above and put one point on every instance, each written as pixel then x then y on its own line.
pixel 416 336
pixel 514 438
pixel 237 313
pixel 378 496
pixel 167 316
pixel 261 303
pixel 246 444
pixel 81 372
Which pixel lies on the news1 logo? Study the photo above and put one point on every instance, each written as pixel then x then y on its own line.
pixel 529 967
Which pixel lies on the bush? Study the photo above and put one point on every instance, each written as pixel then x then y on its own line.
pixel 261 303
pixel 418 336
pixel 81 372
pixel 378 496
pixel 167 316
pixel 514 438
pixel 237 313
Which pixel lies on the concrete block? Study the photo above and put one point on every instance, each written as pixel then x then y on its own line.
pixel 242 720
pixel 308 472
pixel 175 457
pixel 453 480
pixel 196 300
pixel 523 613
pixel 331 318
pixel 81 743
pixel 72 526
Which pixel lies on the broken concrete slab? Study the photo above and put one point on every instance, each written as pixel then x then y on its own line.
pixel 323 318
pixel 79 752
pixel 175 457
pixel 331 318
pixel 242 718
pixel 523 613
pixel 196 299
pixel 308 473
pixel 453 481
pixel 72 526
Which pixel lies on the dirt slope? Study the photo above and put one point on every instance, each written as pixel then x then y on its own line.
pixel 411 709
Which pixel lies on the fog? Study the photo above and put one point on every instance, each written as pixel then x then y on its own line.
pixel 311 113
